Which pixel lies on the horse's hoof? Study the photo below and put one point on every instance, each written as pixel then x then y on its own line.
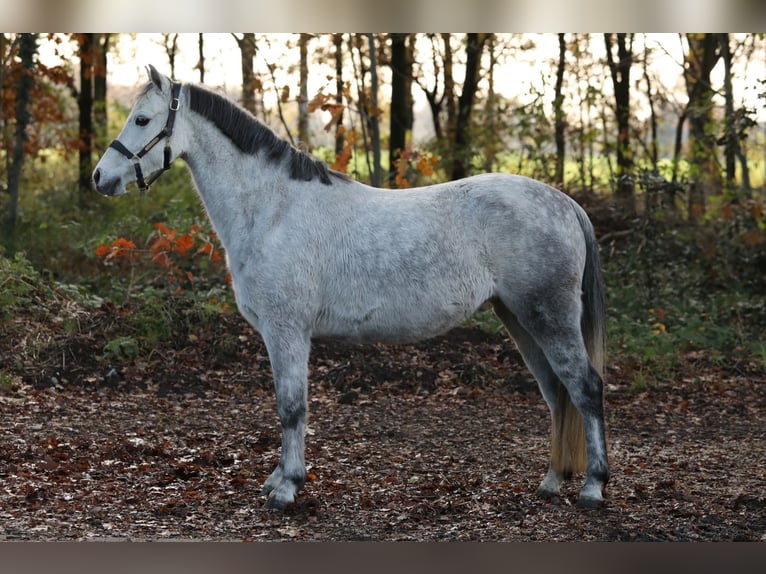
pixel 275 503
pixel 280 498
pixel 590 503
pixel 547 494
pixel 591 496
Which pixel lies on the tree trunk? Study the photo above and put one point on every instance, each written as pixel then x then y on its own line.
pixel 678 145
pixel 356 44
pixel 27 50
pixel 462 149
pixel 5 134
pixel 653 144
pixel 620 73
pixel 337 40
pixel 303 90
pixel 100 117
pixel 449 90
pixel 376 177
pixel 558 112
pixel 247 50
pixel 201 62
pixel 434 103
pixel 85 105
pixel 401 101
pixel 732 146
pixel 493 142
pixel 170 42
pixel 701 58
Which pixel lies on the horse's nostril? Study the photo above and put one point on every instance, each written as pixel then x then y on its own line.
pixel 96 176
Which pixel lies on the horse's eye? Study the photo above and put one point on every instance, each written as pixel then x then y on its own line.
pixel 142 121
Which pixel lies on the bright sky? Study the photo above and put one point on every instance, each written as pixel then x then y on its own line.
pixel 513 78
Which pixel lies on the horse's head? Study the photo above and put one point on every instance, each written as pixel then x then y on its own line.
pixel 135 153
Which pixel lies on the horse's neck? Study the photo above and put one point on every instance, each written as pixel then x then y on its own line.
pixel 236 191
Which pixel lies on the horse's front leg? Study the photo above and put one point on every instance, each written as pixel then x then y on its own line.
pixel 289 353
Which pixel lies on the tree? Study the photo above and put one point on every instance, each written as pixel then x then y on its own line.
pixel 282 96
pixel 201 62
pixel 558 112
pixel 619 70
pixel 491 138
pixel 27 51
pixel 337 40
pixel 434 99
pixel 462 150
pixel 736 123
pixel 449 88
pixel 376 177
pixel 356 47
pixel 653 150
pixel 453 135
pixel 170 43
pixel 730 133
pixel 100 116
pixel 247 48
pixel 401 99
pixel 85 105
pixel 701 56
pixel 303 90
pixel 441 60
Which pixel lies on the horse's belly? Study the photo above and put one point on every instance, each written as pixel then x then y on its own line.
pixel 397 319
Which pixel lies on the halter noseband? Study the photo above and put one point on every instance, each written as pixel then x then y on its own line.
pixel 166 132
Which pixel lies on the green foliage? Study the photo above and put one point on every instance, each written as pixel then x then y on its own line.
pixel 173 279
pixel 18 281
pixel 121 348
pixel 486 319
pixel 677 289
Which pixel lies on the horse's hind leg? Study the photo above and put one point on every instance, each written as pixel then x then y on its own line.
pixel 561 340
pixel 289 353
pixel 585 389
pixel 548 383
pixel 553 326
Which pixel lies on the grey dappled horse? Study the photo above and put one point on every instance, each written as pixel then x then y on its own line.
pixel 313 253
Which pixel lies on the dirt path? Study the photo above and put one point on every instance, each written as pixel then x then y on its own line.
pixel 446 440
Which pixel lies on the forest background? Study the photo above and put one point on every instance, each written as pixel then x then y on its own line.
pixel 135 403
pixel 660 137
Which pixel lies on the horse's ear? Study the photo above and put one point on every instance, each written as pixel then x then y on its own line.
pixel 155 77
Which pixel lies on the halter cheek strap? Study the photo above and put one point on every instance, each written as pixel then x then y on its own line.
pixel 165 134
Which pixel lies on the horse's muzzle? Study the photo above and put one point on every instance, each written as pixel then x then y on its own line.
pixel 105 187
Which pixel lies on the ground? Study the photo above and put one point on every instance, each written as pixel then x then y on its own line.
pixel 444 440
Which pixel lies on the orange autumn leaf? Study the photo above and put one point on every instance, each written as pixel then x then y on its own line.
pixel 336 111
pixel 162 228
pixel 183 244
pixel 103 250
pixel 317 102
pixel 123 243
pixel 425 166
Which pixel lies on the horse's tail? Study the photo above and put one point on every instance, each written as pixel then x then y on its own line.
pixel 568 443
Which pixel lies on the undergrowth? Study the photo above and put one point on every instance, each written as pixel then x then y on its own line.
pixel 678 289
pixel 675 289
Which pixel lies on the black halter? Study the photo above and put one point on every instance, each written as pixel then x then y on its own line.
pixel 166 132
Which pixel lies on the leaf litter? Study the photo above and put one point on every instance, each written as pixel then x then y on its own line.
pixel 444 440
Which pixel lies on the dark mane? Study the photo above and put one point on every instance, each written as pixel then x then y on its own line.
pixel 253 137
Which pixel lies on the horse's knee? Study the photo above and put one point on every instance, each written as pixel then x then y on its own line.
pixel 292 413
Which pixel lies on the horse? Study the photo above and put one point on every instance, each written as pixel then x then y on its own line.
pixel 315 254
